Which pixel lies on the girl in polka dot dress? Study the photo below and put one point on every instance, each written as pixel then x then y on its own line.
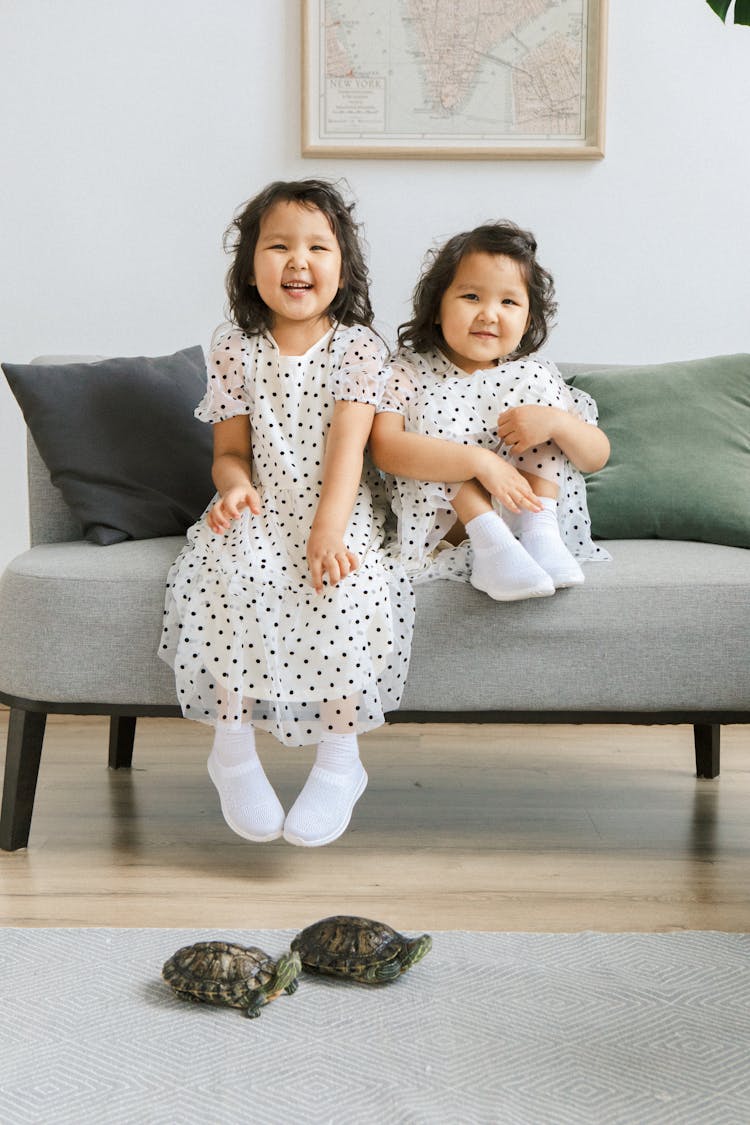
pixel 483 436
pixel 282 611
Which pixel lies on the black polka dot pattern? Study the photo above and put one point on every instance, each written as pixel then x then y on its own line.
pixel 439 400
pixel 246 634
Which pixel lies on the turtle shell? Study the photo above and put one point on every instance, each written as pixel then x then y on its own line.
pixel 219 972
pixel 348 946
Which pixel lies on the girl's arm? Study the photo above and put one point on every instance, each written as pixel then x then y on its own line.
pixel 419 457
pixel 523 427
pixel 342 472
pixel 231 473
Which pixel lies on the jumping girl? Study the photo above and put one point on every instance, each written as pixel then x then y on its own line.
pixel 282 612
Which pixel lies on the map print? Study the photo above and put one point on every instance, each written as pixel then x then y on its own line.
pixel 426 71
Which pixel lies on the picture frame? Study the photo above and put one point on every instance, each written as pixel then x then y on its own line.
pixel 436 79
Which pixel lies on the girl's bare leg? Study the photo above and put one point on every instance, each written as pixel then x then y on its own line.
pixel 472 500
pixel 540 486
pixel 340 717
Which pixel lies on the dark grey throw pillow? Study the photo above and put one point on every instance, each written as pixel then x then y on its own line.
pixel 120 440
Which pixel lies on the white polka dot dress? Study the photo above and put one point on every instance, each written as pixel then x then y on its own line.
pixel 438 399
pixel 246 634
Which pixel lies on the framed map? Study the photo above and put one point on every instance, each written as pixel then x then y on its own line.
pixel 471 79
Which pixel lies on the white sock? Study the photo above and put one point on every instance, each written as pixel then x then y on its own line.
pixel 501 566
pixel 336 782
pixel 249 804
pixel 234 746
pixel 338 753
pixel 540 535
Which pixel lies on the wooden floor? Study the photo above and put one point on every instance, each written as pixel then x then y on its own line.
pixel 538 828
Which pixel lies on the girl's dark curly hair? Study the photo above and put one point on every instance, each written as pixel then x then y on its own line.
pixel 351 305
pixel 422 333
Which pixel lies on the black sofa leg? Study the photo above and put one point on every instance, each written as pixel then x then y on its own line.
pixel 707 738
pixel 121 739
pixel 22 756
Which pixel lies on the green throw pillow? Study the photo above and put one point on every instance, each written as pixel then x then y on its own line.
pixel 680 462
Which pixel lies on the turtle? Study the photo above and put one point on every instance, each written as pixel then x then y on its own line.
pixel 221 972
pixel 359 949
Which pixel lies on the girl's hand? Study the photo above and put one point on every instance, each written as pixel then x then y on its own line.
pixel 505 482
pixel 229 506
pixel 327 556
pixel 523 427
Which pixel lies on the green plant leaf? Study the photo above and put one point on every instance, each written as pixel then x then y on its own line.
pixel 721 7
pixel 742 12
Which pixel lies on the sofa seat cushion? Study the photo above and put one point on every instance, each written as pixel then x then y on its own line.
pixel 82 622
pixel 662 627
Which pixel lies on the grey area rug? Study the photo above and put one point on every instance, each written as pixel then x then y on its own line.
pixel 517 1028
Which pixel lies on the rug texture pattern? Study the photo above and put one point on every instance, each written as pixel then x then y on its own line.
pixel 524 1029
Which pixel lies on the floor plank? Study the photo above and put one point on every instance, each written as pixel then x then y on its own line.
pixel 539 828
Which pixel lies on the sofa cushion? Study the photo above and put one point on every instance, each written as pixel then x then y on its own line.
pixel 680 462
pixel 663 627
pixel 120 440
pixel 100 610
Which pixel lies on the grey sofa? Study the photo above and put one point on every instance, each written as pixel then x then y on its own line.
pixel 659 635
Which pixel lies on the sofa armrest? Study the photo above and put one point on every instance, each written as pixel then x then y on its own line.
pixel 50 518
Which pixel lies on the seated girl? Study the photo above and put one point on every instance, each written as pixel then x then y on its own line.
pixel 483 438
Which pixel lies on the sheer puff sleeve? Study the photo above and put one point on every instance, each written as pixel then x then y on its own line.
pixel 360 371
pixel 401 388
pixel 574 400
pixel 229 390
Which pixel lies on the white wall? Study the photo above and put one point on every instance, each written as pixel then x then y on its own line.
pixel 130 130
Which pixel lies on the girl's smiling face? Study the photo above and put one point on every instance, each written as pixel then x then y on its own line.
pixel 297 267
pixel 484 312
